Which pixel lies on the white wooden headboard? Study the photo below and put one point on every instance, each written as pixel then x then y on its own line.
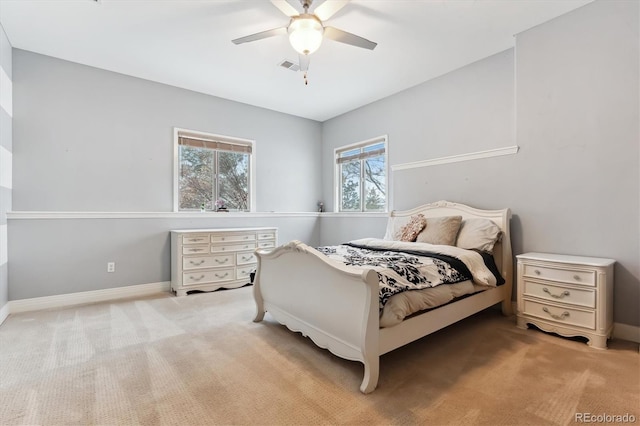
pixel 501 251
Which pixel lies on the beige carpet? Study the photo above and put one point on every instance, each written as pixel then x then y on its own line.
pixel 200 360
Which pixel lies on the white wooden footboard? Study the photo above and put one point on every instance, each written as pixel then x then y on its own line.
pixel 324 300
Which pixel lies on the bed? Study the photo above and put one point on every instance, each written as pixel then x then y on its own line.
pixel 338 306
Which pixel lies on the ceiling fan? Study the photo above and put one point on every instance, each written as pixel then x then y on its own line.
pixel 306 30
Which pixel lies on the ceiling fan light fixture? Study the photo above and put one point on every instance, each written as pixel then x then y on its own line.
pixel 305 33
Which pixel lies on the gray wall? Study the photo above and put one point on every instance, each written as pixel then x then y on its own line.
pixel 70 255
pixel 467 110
pixel 89 140
pixel 577 113
pixel 573 187
pixel 111 137
pixel 6 147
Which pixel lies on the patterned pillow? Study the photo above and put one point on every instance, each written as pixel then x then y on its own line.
pixel 410 231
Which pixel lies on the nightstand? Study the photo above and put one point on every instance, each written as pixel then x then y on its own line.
pixel 567 295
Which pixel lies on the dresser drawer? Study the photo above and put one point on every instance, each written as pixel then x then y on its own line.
pixel 572 296
pixel 232 238
pixel 234 247
pixel 266 235
pixel 563 275
pixel 201 249
pixel 266 244
pixel 195 239
pixel 206 262
pixel 244 258
pixel 244 272
pixel 199 277
pixel 560 314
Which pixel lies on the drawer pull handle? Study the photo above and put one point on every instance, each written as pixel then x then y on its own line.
pixel 535 271
pixel 557 296
pixel 222 238
pixel 222 261
pixel 194 249
pixel 554 316
pixel 194 239
pixel 196 263
pixel 223 275
pixel 197 279
pixel 246 238
pixel 246 258
pixel 576 277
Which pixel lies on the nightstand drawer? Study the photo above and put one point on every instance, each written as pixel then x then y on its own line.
pixel 572 296
pixel 208 276
pixel 561 314
pixel 195 239
pixel 237 247
pixel 244 258
pixel 561 275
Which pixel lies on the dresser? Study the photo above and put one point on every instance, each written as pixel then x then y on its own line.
pixel 567 295
pixel 209 259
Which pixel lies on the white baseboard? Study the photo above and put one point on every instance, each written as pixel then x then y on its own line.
pixel 4 312
pixel 84 297
pixel 626 332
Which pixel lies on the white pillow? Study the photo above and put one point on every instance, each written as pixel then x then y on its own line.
pixel 394 224
pixel 478 234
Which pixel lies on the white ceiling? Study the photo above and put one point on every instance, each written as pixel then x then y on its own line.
pixel 187 43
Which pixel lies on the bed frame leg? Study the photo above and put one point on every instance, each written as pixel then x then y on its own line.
pixel 257 297
pixel 371 370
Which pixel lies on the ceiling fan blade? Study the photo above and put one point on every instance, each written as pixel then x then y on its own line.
pixel 304 62
pixel 348 38
pixel 329 8
pixel 261 35
pixel 285 7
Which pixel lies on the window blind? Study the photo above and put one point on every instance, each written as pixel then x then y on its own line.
pixel 361 156
pixel 213 144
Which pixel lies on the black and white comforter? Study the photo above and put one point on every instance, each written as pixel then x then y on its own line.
pixel 413 266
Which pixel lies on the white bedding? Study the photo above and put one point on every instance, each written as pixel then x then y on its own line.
pixel 408 295
pixel 401 305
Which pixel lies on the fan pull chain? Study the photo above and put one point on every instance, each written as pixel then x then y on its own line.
pixel 306 81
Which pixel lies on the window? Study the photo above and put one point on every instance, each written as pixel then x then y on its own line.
pixel 213 171
pixel 361 176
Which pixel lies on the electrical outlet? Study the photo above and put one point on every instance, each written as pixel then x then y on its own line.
pixel 111 266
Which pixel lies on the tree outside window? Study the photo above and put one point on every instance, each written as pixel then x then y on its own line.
pixel 213 171
pixel 362 175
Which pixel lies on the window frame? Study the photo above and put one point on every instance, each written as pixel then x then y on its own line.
pixel 337 181
pixel 178 132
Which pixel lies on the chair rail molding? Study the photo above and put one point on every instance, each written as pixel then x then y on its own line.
pixel 497 152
